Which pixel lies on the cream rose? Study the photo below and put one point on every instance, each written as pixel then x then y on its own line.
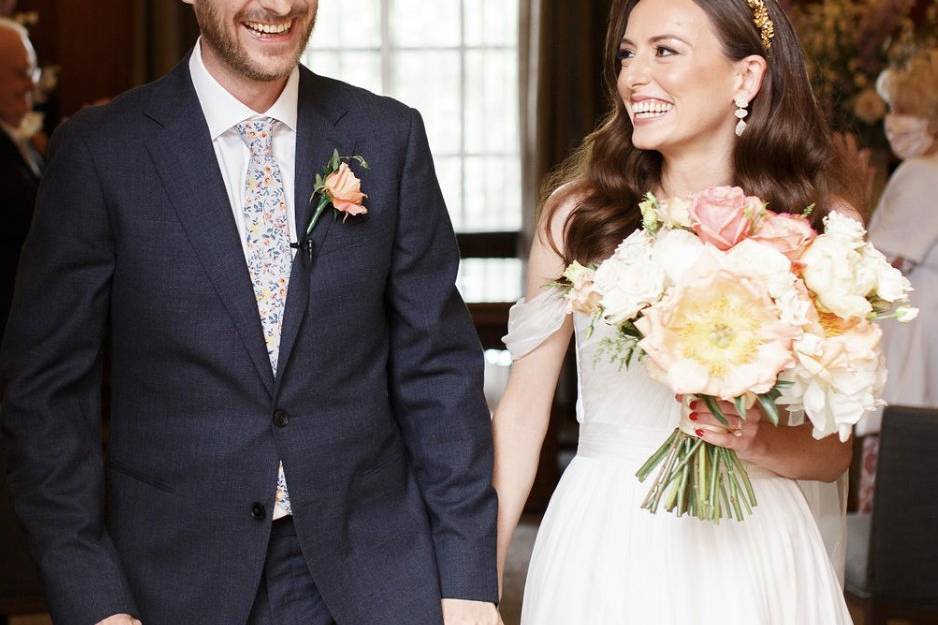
pixel 675 213
pixel 676 251
pixel 628 280
pixel 838 276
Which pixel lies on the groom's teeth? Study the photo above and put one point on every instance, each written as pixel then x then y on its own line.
pixel 268 29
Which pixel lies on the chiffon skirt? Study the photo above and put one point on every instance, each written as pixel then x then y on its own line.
pixel 599 559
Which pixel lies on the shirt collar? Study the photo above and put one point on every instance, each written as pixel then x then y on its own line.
pixel 223 111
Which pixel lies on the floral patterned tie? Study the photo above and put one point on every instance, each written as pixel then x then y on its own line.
pixel 267 236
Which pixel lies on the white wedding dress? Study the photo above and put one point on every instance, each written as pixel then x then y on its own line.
pixel 600 559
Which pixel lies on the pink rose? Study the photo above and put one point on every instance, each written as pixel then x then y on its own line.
pixel 722 216
pixel 344 189
pixel 789 234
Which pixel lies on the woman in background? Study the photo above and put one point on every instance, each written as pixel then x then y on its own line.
pixel 905 227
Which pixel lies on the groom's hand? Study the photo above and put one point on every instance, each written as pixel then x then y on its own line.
pixel 462 612
pixel 120 619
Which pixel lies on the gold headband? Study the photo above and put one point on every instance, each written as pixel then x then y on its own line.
pixel 762 21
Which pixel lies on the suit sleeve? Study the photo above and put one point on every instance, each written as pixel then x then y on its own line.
pixel 50 379
pixel 436 382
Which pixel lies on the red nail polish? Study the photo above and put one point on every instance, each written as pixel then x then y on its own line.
pixel 699 433
pixel 693 405
pixel 692 416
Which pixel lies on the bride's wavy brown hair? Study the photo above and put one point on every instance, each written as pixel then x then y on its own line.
pixel 784 157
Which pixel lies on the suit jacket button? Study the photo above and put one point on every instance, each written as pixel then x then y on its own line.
pixel 258 511
pixel 281 418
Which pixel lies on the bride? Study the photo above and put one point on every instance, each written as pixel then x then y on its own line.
pixel 682 74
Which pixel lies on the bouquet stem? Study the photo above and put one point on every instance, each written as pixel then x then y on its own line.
pixel 697 478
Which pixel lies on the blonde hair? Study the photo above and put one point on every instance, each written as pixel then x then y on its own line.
pixel 912 88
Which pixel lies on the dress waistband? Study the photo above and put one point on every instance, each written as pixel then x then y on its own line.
pixel 608 441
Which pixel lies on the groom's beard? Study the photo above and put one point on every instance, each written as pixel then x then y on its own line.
pixel 224 42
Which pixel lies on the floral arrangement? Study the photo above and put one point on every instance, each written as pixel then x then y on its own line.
pixel 724 300
pixel 848 43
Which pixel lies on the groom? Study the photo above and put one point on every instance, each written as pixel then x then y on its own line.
pixel 326 459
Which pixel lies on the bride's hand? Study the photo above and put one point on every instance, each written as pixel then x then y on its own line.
pixel 743 437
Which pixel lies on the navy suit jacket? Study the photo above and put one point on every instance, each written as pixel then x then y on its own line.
pixel 381 423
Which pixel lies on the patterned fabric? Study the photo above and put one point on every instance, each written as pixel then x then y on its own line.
pixel 869 456
pixel 267 235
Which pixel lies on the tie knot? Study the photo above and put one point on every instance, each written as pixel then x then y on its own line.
pixel 257 135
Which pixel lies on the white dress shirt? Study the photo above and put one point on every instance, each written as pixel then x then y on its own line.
pixel 223 112
pixel 21 142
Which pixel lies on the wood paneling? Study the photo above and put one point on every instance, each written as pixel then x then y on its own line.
pixel 92 41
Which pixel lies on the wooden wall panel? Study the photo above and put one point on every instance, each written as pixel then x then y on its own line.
pixel 93 42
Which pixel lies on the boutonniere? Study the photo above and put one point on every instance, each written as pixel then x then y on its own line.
pixel 336 186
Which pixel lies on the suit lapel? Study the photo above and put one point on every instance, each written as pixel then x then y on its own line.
pixel 187 165
pixel 317 135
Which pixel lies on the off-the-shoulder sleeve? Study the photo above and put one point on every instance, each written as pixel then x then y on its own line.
pixel 532 323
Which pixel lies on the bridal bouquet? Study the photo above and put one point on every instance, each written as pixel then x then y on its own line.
pixel 724 300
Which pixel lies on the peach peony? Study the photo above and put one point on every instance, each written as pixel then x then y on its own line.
pixel 723 216
pixel 717 333
pixel 789 234
pixel 344 189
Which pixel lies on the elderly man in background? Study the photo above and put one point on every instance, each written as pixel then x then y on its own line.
pixel 19 162
pixel 19 179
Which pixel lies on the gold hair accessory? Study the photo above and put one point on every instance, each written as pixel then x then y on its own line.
pixel 762 21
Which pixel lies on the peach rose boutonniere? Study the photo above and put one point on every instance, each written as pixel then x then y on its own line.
pixel 339 187
pixel 345 191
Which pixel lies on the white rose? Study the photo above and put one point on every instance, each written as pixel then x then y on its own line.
pixel 774 269
pixel 843 227
pixel 891 285
pixel 627 286
pixel 636 247
pixel 675 213
pixel 763 261
pixel 838 275
pixel 676 251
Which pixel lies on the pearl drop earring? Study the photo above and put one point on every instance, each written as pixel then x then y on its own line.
pixel 741 114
